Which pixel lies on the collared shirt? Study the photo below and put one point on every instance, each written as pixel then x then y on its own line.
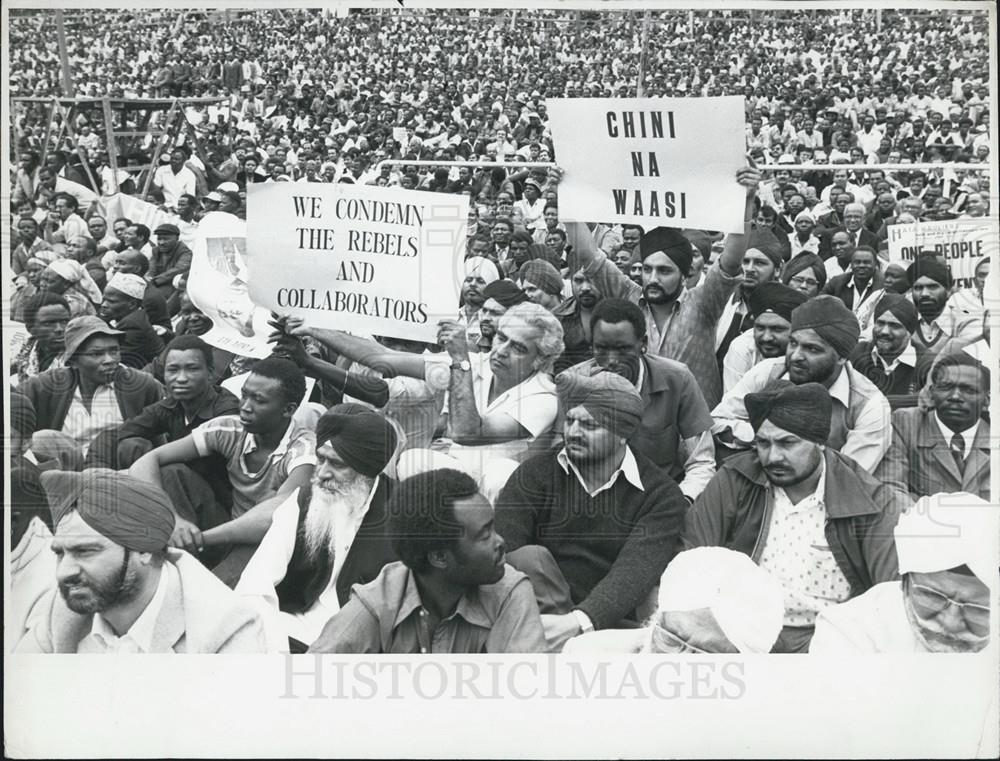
pixel 388 616
pixel 269 564
pixel 227 436
pixel 139 637
pixel 82 425
pixel 861 295
pixel 797 554
pixel 735 306
pixel 968 435
pixel 174 185
pixel 908 357
pixel 742 355
pixel 167 418
pixel 628 468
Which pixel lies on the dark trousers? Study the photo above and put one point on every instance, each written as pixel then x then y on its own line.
pixel 793 639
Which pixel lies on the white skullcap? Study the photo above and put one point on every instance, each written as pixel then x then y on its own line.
pixel 805 214
pixel 486 269
pixel 132 286
pixel 228 187
pixel 946 531
pixel 747 602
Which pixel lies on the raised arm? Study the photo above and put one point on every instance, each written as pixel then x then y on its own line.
pixel 736 244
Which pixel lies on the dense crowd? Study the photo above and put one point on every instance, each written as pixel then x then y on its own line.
pixel 624 439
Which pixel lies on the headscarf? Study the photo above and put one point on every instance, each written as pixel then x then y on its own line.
pixel 946 531
pixel 44 257
pixel 775 297
pixel 364 439
pixel 76 274
pixel 612 401
pixel 832 321
pixel 745 600
pixel 669 241
pixel 701 241
pixel 482 266
pixel 132 513
pixel 900 307
pixel 805 214
pixel 802 409
pixel 803 261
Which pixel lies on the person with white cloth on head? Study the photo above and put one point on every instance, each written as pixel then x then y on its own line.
pixel 947 549
pixel 711 600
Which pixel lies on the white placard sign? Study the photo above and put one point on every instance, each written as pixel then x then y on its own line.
pixel 962 242
pixel 651 161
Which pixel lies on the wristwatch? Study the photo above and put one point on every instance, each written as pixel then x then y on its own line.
pixel 586 625
pixel 463 365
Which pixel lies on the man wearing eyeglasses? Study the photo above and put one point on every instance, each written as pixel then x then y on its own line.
pixel 946 448
pixel 92 393
pixel 948 565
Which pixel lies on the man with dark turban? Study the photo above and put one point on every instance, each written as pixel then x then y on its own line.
pixel 542 283
pixel 930 285
pixel 498 297
pixel 323 541
pixel 594 523
pixel 814 519
pixel 889 360
pixel 824 332
pixel 771 306
pixel 119 588
pixel 680 322
pixel 806 273
pixel 761 264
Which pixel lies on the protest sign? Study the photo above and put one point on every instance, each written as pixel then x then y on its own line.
pixel 218 287
pixel 651 161
pixel 144 213
pixel 359 258
pixel 962 243
pixel 400 135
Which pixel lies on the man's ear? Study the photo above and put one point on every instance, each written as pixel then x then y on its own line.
pixel 439 559
pixel 290 409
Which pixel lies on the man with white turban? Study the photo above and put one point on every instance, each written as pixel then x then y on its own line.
pixel 479 272
pixel 711 600
pixel 947 548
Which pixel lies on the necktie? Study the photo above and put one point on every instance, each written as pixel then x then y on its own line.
pixel 958 451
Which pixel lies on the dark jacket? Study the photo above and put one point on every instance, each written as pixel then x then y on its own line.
pixel 734 512
pixel 164 266
pixel 140 344
pixel 371 549
pixel 165 418
pixel 900 387
pixel 52 392
pixel 842 286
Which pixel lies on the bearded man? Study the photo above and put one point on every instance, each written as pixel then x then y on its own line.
pixel 321 543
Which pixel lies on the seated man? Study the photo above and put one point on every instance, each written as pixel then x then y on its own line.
pixel 131 262
pixel 92 393
pixel 498 297
pixel 771 306
pixel 541 283
pixel 193 400
pixel 823 334
pixel 120 590
pixel 889 359
pixel 46 316
pixel 711 600
pixel 269 454
pixel 122 310
pixel 451 592
pixel 499 403
pixel 322 543
pixel 945 448
pixel 813 518
pixel 675 432
pixel 575 314
pixel 939 569
pixel 595 523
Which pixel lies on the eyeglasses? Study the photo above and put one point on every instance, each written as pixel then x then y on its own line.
pixel 665 641
pixel 930 602
pixel 799 281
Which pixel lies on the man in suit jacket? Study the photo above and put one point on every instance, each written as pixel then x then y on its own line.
pixel 947 448
pixel 119 589
pixel 324 540
pixel 863 282
pixel 854 219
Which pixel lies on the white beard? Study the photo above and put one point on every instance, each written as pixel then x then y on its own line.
pixel 330 508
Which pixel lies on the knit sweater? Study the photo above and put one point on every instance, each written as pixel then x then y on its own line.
pixel 611 548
